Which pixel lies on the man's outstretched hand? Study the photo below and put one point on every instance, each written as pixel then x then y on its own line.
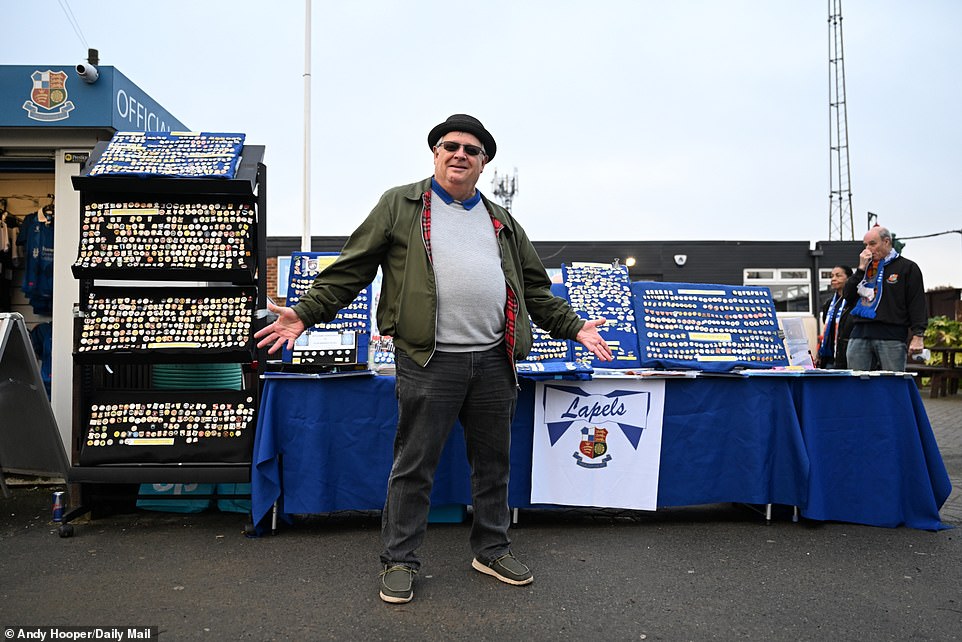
pixel 285 329
pixel 591 339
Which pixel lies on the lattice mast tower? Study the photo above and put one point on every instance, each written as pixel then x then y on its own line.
pixel 840 226
pixel 505 187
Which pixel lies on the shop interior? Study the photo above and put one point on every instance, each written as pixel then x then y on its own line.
pixel 27 214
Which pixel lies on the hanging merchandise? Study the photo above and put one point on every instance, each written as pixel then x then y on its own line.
pixel 9 256
pixel 36 236
pixel 4 237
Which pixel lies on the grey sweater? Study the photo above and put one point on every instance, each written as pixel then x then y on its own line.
pixel 470 281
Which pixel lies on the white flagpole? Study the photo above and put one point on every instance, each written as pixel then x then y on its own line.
pixel 306 225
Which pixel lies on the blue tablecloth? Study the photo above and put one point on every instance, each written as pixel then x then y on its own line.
pixel 759 440
pixel 873 457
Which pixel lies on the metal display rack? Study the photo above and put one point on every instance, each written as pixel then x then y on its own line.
pixel 176 218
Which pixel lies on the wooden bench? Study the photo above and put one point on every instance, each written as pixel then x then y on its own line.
pixel 944 379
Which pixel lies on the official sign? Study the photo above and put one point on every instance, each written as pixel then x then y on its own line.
pixel 597 443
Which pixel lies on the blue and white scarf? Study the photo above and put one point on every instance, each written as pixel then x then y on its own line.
pixel 830 334
pixel 870 289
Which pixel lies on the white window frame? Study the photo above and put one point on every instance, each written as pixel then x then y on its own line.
pixel 782 277
pixel 825 278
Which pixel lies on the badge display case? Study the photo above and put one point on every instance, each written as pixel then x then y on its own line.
pixel 168 427
pixel 661 326
pixel 715 328
pixel 170 154
pixel 343 341
pixel 173 238
pixel 550 358
pixel 181 324
pixel 545 349
pixel 179 220
pixel 603 290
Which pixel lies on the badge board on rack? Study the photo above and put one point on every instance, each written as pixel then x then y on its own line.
pixel 344 341
pixel 30 442
pixel 708 327
pixel 603 290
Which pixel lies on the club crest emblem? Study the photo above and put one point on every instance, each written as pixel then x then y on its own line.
pixel 572 407
pixel 594 445
pixel 893 278
pixel 48 97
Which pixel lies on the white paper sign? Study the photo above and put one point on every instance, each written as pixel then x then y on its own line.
pixel 597 443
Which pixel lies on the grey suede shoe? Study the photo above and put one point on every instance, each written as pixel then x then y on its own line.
pixel 397 584
pixel 506 568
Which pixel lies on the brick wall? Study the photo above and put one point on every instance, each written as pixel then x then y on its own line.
pixel 272 281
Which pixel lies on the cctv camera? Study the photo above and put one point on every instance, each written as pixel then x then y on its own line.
pixel 87 72
pixel 681 259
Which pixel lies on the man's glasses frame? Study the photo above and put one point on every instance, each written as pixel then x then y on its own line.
pixel 452 147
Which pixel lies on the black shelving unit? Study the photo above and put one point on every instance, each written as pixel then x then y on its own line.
pixel 135 229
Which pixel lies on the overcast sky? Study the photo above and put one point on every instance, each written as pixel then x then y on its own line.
pixel 625 119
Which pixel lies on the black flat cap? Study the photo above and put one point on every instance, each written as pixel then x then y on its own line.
pixel 467 124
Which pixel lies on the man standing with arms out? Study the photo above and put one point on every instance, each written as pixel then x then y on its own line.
pixel 459 279
pixel 889 302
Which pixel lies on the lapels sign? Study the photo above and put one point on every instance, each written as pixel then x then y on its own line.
pixel 597 443
pixel 48 97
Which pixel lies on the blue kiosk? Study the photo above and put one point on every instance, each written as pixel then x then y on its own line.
pixel 51 117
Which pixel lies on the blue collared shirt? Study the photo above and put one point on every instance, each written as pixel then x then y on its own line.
pixel 447 198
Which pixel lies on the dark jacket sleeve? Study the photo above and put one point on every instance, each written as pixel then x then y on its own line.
pixel 338 284
pixel 850 291
pixel 551 313
pixel 915 302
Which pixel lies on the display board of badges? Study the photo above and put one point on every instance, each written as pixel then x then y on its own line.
pixel 544 348
pixel 603 290
pixel 714 328
pixel 168 427
pixel 176 154
pixel 343 341
pixel 188 238
pixel 165 324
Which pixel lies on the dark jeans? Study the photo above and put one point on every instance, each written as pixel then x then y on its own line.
pixel 479 389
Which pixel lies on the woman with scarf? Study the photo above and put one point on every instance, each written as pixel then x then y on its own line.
pixel 837 325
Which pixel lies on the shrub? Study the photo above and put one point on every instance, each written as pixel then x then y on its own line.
pixel 943 331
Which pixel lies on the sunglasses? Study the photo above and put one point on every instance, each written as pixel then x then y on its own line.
pixel 470 150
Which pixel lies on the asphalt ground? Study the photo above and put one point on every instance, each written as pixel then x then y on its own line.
pixel 715 572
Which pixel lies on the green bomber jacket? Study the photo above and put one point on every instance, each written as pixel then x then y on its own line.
pixel 395 236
